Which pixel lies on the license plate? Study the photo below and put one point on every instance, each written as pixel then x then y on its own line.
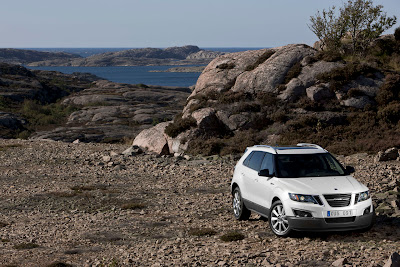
pixel 339 213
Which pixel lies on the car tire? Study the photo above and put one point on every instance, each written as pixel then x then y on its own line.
pixel 277 220
pixel 239 209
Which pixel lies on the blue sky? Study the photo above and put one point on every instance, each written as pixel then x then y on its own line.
pixel 162 23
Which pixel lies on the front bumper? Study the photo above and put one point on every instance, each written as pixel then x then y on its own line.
pixel 321 224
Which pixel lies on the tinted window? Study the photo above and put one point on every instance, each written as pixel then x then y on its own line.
pixel 246 161
pixel 255 160
pixel 268 163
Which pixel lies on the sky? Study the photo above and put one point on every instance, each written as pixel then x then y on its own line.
pixel 162 23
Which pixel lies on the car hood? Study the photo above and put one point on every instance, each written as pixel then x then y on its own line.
pixel 322 185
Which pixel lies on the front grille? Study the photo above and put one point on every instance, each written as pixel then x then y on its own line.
pixel 318 200
pixel 340 220
pixel 338 200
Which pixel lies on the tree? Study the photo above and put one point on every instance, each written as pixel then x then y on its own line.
pixel 329 28
pixel 360 18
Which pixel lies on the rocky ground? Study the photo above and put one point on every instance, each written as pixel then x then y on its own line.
pixel 89 205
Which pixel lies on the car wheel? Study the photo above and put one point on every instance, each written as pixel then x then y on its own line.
pixel 239 209
pixel 278 221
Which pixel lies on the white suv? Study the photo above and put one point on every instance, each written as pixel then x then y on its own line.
pixel 299 188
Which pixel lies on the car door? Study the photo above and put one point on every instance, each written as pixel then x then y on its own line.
pixel 250 175
pixel 264 185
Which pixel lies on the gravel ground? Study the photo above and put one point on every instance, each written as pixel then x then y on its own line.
pixel 88 205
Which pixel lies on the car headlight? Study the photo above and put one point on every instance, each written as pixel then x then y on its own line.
pixel 302 198
pixel 363 196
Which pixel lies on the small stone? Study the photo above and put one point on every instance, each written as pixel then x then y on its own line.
pixel 113 154
pixel 106 158
pixel 340 262
pixel 76 141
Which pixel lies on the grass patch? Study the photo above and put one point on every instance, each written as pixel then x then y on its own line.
pixel 180 125
pixel 43 115
pixel 59 264
pixel 294 71
pixel 266 55
pixel 202 232
pixel 133 205
pixel 232 236
pixel 6 147
pixel 63 194
pixel 81 188
pixel 226 66
pixel 26 246
pixel 341 76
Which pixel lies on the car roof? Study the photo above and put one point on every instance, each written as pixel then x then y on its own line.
pixel 301 148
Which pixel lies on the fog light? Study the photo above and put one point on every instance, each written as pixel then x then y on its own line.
pixel 302 213
pixel 367 210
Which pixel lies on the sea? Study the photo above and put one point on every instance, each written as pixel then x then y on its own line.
pixel 133 74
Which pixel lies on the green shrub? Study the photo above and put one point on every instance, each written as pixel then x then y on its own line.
pixel 26 246
pixel 390 113
pixel 266 55
pixel 397 34
pixel 202 232
pixel 294 71
pixel 246 107
pixel 59 264
pixel 226 66
pixel 42 115
pixel 232 236
pixel 354 92
pixel 339 77
pixel 23 135
pixel 133 205
pixel 225 145
pixel 390 90
pixel 180 125
pixel 329 56
pixel 141 85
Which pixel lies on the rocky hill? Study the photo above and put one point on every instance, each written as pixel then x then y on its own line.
pixel 22 56
pixel 286 95
pixel 185 55
pixel 52 105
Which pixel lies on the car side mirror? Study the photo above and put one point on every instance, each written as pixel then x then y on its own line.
pixel 350 169
pixel 264 173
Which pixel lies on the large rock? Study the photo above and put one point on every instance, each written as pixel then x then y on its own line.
pixel 153 139
pixel 389 154
pixel 319 92
pixel 357 102
pixel 221 73
pixel 307 78
pixel 271 73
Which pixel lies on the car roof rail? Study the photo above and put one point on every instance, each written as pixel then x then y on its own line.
pixel 310 145
pixel 274 148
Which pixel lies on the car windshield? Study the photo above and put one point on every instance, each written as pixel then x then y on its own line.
pixel 308 165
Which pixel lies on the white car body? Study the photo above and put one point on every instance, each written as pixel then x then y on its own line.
pixel 258 193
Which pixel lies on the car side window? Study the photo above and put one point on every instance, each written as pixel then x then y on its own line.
pixel 255 160
pixel 247 160
pixel 268 163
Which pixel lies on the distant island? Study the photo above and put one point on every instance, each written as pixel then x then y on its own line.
pixel 184 55
pixel 183 69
